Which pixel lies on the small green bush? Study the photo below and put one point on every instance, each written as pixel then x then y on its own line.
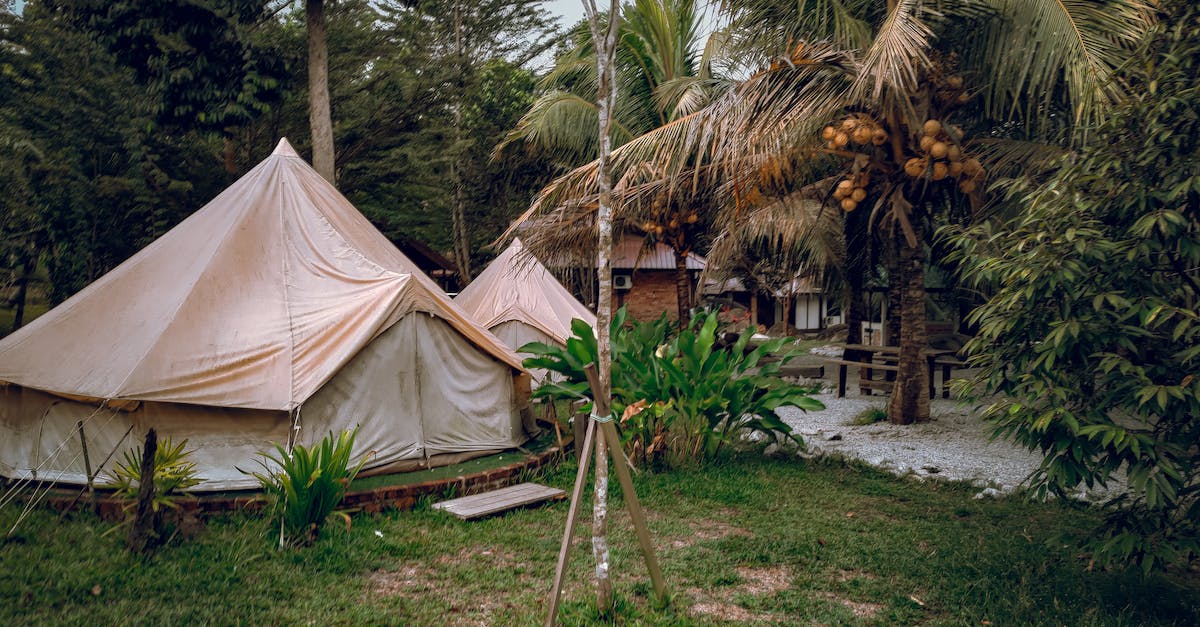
pixel 869 416
pixel 308 484
pixel 173 473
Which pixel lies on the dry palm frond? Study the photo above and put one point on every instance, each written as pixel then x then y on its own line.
pixel 898 55
pixel 758 120
pixel 798 230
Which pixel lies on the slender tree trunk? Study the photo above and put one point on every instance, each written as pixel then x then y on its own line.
pixel 683 288
pixel 910 396
pixel 604 37
pixel 320 121
pixel 27 269
pixel 458 213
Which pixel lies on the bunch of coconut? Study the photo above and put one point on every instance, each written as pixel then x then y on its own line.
pixel 852 191
pixel 860 129
pixel 942 158
pixel 684 217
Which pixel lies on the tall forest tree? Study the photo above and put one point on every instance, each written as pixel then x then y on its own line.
pixel 320 116
pixel 201 60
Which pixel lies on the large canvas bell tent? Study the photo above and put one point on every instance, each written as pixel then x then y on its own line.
pixel 276 309
pixel 516 298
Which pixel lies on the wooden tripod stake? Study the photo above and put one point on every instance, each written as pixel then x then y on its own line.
pixel 621 465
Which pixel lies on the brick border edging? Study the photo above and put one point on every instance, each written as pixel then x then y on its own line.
pixel 400 497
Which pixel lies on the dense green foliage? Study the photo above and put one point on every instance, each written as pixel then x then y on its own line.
pixel 305 485
pixel 843 546
pixel 680 398
pixel 1092 334
pixel 200 59
pixel 120 119
pixel 93 181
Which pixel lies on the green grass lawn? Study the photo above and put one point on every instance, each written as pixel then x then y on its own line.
pixel 751 540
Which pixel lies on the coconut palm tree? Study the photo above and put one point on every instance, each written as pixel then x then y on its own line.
pixel 911 103
pixel 662 75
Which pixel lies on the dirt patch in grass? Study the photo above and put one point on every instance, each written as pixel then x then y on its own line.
pixel 858 608
pixel 759 582
pixel 844 575
pixel 764 581
pixel 407 582
pixel 726 611
pixel 710 529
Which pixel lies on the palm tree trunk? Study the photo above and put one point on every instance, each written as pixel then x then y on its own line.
pixel 910 396
pixel 895 290
pixel 604 37
pixel 857 258
pixel 320 121
pixel 683 289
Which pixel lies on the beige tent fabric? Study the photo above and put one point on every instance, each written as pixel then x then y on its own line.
pixel 517 287
pixel 253 302
pixel 418 391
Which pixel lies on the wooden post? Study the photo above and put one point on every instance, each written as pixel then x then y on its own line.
pixel 636 516
pixel 87 464
pixel 143 535
pixel 576 498
pixel 621 465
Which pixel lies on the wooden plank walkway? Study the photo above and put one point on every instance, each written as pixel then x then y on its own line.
pixel 496 501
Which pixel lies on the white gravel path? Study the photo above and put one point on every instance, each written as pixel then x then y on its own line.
pixel 954 446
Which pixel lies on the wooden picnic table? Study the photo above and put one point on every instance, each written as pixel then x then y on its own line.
pixel 886 359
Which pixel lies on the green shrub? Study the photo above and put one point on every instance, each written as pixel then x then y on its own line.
pixel 1090 338
pixel 173 473
pixel 308 484
pixel 680 398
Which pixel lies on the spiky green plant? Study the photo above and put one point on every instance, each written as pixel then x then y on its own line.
pixel 173 473
pixel 306 485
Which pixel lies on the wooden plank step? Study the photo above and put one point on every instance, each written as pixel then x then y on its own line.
pixel 808 372
pixel 502 500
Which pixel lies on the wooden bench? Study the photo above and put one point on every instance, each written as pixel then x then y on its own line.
pixel 799 371
pixel 865 381
pixel 496 501
pixel 947 364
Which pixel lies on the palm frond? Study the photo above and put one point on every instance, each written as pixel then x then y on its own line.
pixel 773 27
pixel 895 59
pixel 561 123
pixel 1009 157
pixel 1048 47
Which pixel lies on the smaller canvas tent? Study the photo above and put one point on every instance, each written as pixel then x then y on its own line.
pixel 276 311
pixel 516 298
